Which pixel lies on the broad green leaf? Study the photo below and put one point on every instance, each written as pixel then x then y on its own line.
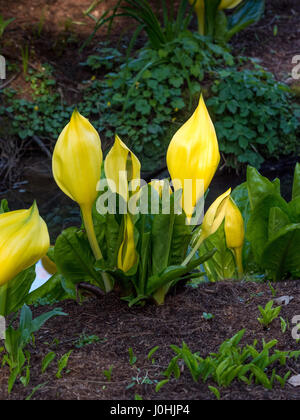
pixel 162 233
pixel 181 238
pixel 259 186
pixel 74 258
pixel 294 207
pixel 211 10
pixel 258 225
pixel 247 13
pixel 222 264
pixel 296 184
pixel 277 220
pixel 18 289
pixel 281 253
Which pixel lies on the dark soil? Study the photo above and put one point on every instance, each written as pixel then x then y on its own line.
pixel 234 306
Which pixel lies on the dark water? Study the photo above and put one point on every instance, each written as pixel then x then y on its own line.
pixel 60 212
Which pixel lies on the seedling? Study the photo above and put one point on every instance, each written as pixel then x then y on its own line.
pixel 108 373
pixel 62 364
pixel 268 313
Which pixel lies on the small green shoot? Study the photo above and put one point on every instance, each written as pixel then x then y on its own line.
pixel 62 364
pixel 268 314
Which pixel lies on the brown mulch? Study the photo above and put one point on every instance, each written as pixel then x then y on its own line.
pixel 234 306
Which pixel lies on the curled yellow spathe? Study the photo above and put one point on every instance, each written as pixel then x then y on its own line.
pixel 24 239
pixel 211 222
pixel 77 160
pixel 121 168
pixel 193 154
pixel 76 165
pixel 160 186
pixel 215 215
pixel 127 255
pixel 235 232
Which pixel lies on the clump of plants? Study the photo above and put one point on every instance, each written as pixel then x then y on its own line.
pixel 233 362
pixel 267 235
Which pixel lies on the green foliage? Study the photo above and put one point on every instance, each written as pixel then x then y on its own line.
pixel 85 340
pixel 4 24
pixel 16 341
pixel 108 373
pixel 47 360
pixel 254 116
pixel 232 362
pixel 273 228
pixel 222 26
pixel 147 19
pixel 142 99
pixel 63 363
pixel 268 314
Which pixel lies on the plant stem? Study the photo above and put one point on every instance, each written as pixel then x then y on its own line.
pixel 3 296
pixel 202 237
pixel 90 231
pixel 239 261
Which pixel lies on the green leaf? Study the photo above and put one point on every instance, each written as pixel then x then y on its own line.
pixel 277 220
pixel 74 258
pixel 259 186
pixel 247 13
pixel 62 364
pixel 222 264
pixel 18 289
pixel 52 290
pixel 281 253
pixel 47 360
pixel 296 184
pixel 258 225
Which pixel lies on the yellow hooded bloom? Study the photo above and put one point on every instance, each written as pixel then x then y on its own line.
pixel 160 185
pixel 127 256
pixel 77 160
pixel 121 167
pixel 76 165
pixel 211 222
pixel 24 239
pixel 235 232
pixel 193 154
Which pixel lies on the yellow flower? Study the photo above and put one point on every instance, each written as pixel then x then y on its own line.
pixel 127 256
pixel 235 232
pixel 109 104
pixel 24 239
pixel 211 222
pixel 122 167
pixel 76 166
pixel 36 108
pixel 77 159
pixel 193 154
pixel 159 185
pixel 229 4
